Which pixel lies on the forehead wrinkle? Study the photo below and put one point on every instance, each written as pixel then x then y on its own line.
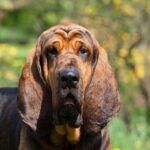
pixel 62 33
pixel 75 33
pixel 82 35
pixel 81 42
pixel 59 36
pixel 57 43
pixel 68 33
pixel 51 38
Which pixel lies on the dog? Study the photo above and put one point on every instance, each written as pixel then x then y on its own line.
pixel 66 96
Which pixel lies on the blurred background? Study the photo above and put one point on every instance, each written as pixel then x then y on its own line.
pixel 122 27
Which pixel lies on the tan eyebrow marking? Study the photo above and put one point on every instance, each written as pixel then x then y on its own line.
pixel 62 33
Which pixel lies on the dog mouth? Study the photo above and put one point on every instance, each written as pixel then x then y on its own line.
pixel 69 111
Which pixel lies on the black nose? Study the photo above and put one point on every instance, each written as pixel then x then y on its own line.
pixel 69 78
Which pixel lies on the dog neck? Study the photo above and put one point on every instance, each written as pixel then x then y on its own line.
pixel 60 133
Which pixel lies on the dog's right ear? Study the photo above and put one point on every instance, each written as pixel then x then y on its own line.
pixel 34 98
pixel 102 100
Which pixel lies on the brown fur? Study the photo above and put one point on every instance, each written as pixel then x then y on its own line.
pixel 38 99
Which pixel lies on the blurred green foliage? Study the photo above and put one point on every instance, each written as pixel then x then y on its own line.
pixel 134 139
pixel 121 26
pixel 12 59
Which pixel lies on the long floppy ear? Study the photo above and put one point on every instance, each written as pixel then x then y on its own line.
pixel 34 98
pixel 102 99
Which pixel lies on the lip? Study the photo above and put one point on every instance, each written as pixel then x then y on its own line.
pixel 68 111
pixel 70 115
pixel 70 103
pixel 69 99
pixel 68 93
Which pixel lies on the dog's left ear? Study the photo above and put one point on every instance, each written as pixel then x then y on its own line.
pixel 34 97
pixel 102 99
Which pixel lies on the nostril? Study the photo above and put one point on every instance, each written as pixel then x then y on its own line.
pixel 64 81
pixel 64 78
pixel 75 79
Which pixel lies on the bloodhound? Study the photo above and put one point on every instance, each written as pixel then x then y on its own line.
pixel 67 94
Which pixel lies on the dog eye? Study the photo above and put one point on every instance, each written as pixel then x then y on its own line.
pixel 83 52
pixel 52 51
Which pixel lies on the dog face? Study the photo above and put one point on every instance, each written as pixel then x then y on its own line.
pixel 68 57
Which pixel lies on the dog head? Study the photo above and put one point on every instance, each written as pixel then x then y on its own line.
pixel 67 79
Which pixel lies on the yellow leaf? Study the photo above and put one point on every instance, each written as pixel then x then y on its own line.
pixel 125 36
pixel 116 148
pixel 137 56
pixel 140 72
pixel 128 9
pixel 13 51
pixel 90 10
pixel 10 75
pixel 117 2
pixel 123 52
pixel 120 62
